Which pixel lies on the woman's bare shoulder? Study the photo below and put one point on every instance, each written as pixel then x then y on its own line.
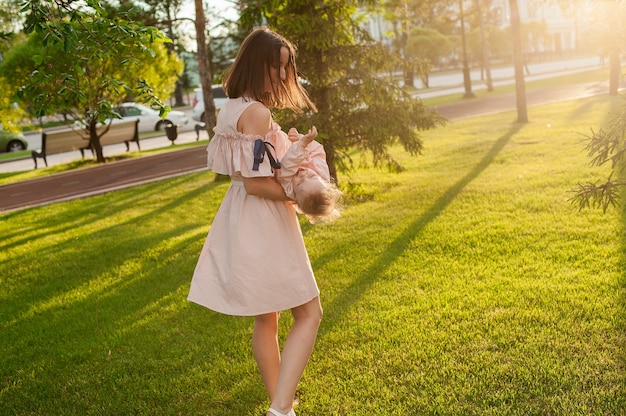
pixel 255 120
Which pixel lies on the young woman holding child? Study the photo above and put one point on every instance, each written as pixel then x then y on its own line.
pixel 254 262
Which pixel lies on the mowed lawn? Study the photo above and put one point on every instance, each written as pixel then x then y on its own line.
pixel 467 284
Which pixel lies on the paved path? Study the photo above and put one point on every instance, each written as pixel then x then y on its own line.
pixel 476 107
pixel 101 178
pixel 116 175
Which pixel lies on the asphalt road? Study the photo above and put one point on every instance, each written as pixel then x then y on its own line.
pixel 476 107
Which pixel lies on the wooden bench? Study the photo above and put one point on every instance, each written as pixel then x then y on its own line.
pixel 67 140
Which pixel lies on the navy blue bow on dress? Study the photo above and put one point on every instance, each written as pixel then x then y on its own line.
pixel 260 148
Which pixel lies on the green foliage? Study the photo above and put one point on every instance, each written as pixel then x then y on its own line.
pixel 427 46
pixel 606 146
pixel 434 14
pixel 85 62
pixel 609 32
pixel 10 114
pixel 55 83
pixel 9 18
pixel 428 43
pixel 359 106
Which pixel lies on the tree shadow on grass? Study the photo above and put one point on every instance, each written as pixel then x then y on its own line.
pixel 58 220
pixel 117 323
pixel 616 105
pixel 63 345
pixel 69 260
pixel 342 303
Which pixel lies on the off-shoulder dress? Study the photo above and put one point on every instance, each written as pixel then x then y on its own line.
pixel 254 260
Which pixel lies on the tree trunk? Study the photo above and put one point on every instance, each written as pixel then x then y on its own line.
pixel 409 77
pixel 330 160
pixel 486 64
pixel 409 71
pixel 178 94
pixel 206 78
pixel 467 81
pixel 323 108
pixel 614 49
pixel 615 72
pixel 94 141
pixel 518 59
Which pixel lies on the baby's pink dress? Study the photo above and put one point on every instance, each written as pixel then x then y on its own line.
pixel 297 158
pixel 254 260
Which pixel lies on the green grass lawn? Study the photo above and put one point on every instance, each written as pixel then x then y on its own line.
pixel 465 285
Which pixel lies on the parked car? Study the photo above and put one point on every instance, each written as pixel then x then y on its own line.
pixel 12 142
pixel 149 119
pixel 219 97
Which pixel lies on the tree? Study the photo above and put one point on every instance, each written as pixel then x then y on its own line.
pixel 9 35
pixel 518 60
pixel 615 38
pixel 484 46
pixel 607 145
pixel 408 14
pixel 9 17
pixel 428 46
pixel 90 62
pixel 204 68
pixel 358 107
pixel 158 13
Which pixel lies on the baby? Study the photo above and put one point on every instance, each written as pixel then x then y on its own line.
pixel 305 178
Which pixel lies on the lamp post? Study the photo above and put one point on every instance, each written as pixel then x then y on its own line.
pixel 466 71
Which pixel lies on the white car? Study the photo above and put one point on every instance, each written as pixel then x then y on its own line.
pixel 149 119
pixel 219 98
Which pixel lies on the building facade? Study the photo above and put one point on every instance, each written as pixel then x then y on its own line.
pixel 565 22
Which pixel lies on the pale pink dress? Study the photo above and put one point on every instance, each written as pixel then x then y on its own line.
pixel 254 260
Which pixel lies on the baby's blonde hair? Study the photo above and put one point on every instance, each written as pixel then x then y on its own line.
pixel 323 205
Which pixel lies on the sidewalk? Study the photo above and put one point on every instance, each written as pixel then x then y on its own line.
pixel 102 178
pixel 477 107
pixel 117 175
pixel 158 142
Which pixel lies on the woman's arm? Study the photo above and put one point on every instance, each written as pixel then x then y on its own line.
pixel 257 120
pixel 264 187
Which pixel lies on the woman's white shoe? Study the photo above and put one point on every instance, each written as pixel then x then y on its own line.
pixel 277 413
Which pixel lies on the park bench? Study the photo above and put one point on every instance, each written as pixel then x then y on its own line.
pixel 67 140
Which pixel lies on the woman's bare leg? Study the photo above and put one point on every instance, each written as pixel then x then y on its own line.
pixel 296 352
pixel 266 349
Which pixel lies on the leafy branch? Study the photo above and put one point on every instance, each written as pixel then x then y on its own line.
pixel 605 146
pixel 87 62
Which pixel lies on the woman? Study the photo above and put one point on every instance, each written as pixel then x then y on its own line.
pixel 254 262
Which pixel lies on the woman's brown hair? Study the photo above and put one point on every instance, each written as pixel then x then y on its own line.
pixel 259 52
